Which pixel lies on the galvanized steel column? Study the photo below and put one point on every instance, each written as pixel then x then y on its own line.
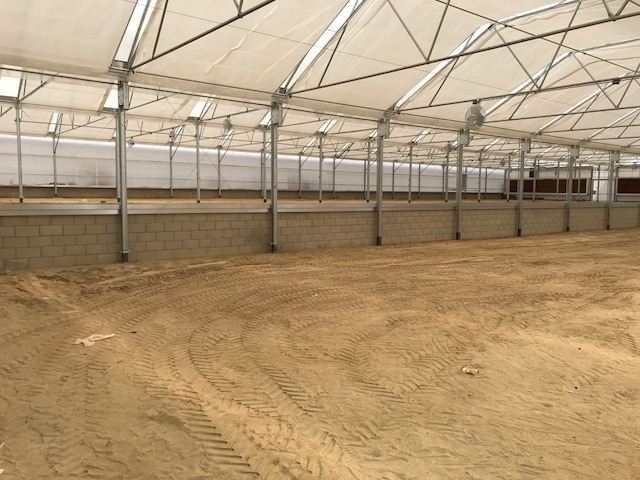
pixel 299 175
pixel 463 140
pixel 613 159
pixel 525 147
pixel 479 177
pixel 198 162
pixel 574 152
pixel 55 168
pixel 410 170
pixel 321 158
pixel 276 121
pixel 263 166
pixel 121 154
pixel 18 109
pixel 446 177
pixel 383 131
pixel 219 173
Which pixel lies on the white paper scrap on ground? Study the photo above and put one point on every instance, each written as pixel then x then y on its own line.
pixel 89 341
pixel 469 370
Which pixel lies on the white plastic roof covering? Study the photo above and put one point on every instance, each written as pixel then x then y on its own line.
pixel 562 72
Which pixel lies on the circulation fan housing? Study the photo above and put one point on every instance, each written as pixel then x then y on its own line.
pixel 475 116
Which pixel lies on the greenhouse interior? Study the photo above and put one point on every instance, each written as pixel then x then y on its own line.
pixel 319 239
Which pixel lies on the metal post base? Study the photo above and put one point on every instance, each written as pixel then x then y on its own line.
pixel 22 200
pixel 124 257
pixel 274 248
pixel 519 232
pixel 378 241
pixel 567 230
pixel 457 235
pixel 608 227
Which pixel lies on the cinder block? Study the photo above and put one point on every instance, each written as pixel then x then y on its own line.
pixel 7 232
pixel 73 250
pixel 44 241
pixel 73 229
pixel 86 239
pixel 27 231
pixel 13 221
pixel 86 259
pixel 39 220
pixel 7 253
pixel 96 229
pixel 108 258
pixel 84 220
pixel 51 230
pixel 64 261
pixel 96 249
pixel 28 252
pixel 41 262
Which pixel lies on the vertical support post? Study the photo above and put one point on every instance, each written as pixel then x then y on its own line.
pixel 558 181
pixel 368 171
pixel 321 160
pixel 574 152
pixel 300 175
pixel 170 171
pixel 615 189
pixel 535 178
pixel 590 185
pixel 263 166
pixel 383 132
pixel 479 177
pixel 486 179
pixel 613 159
pixel 364 180
pixel 598 186
pixel 465 181
pixel 118 176
pixel 276 121
pixel 333 180
pixel 463 140
pixel 393 180
pixel 198 161
pixel 55 167
pixel 579 180
pixel 525 147
pixel 419 180
pixel 121 154
pixel 219 174
pixel 410 171
pixel 507 179
pixel 18 109
pixel 446 177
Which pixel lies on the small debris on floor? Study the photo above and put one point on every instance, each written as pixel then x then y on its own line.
pixel 470 371
pixel 91 340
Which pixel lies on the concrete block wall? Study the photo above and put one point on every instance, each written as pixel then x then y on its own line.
pixel 543 220
pixel 488 222
pixel 186 235
pixel 418 225
pixel 625 216
pixel 58 240
pixel 588 217
pixel 311 230
pixel 36 240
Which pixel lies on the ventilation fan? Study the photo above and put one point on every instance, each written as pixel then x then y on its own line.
pixel 227 124
pixel 475 116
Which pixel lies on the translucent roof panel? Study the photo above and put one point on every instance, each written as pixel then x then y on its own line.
pixel 9 86
pixel 256 52
pixel 64 33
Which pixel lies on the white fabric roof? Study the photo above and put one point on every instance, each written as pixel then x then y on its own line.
pixel 562 72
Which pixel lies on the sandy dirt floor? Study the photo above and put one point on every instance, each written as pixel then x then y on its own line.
pixel 339 364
